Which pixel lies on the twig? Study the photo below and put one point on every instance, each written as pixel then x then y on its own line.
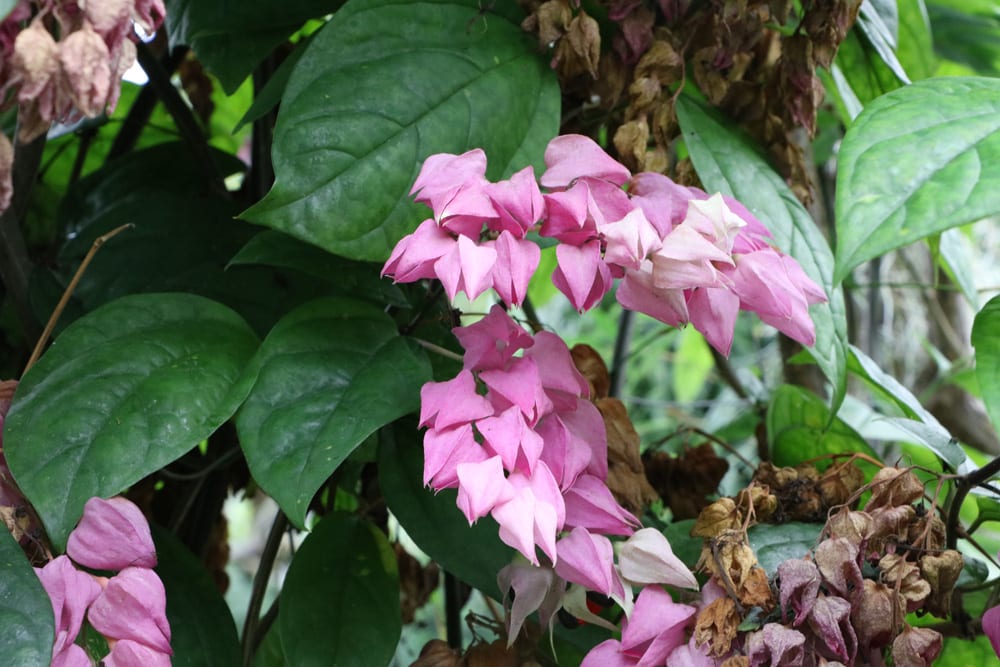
pixel 453 610
pixel 141 110
pixel 963 485
pixel 57 312
pixel 619 361
pixel 260 581
pixel 437 348
pixel 531 315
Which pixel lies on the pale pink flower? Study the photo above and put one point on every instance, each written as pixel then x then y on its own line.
pixel 630 240
pixel 445 450
pixel 492 341
pixel 572 156
pixel 414 256
pixel 481 486
pixel 516 261
pixel 562 381
pixel 466 267
pixel 589 504
pixel 518 384
pixel 453 402
pixel 582 274
pixel 130 653
pixel 508 435
pixel 71 655
pixel 454 185
pixel 713 312
pixel 691 655
pixel 71 592
pixel 575 442
pixel 113 534
pixel 133 606
pixel 571 215
pixel 534 515
pixel 534 589
pixel 655 627
pixel 664 202
pixel 518 203
pixel 647 558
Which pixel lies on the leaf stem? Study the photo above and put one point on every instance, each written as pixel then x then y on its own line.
pixel 963 485
pixel 453 610
pixel 260 580
pixel 444 352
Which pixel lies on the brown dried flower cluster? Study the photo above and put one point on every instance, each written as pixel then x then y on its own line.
pixel 733 51
pixel 846 602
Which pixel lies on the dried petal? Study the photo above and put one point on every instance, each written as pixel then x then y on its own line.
pixel 877 616
pixel 718 517
pixel 774 644
pixel 892 487
pixel 799 587
pixel 830 620
pixel 905 575
pixel 917 647
pixel 941 571
pixel 717 625
pixel 837 560
pixel 85 61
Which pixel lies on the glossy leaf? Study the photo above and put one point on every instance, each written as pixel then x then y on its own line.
pixel 25 610
pixel 328 375
pixel 381 87
pixel 122 392
pixel 868 75
pixel 361 279
pixel 728 162
pixel 340 602
pixel 917 161
pixel 202 629
pixel 865 367
pixel 880 25
pixel 774 544
pixel 232 40
pixel 474 553
pixel 967 32
pixel 933 438
pixel 270 95
pixel 800 428
pixel 986 340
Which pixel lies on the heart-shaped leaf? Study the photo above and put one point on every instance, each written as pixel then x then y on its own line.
pixel 474 553
pixel 381 87
pixel 917 161
pixel 340 601
pixel 728 162
pixel 25 610
pixel 328 375
pixel 125 390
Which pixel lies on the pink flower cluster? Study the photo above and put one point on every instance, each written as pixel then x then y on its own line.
pixel 681 255
pixel 515 433
pixel 129 608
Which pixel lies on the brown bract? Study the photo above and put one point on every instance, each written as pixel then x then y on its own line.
pixel 941 572
pixel 592 367
pixel 716 519
pixel 626 474
pixel 917 647
pixel 892 487
pixel 716 626
pixel 877 616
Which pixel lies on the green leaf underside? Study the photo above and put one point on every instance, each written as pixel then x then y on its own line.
pixel 202 630
pixel 340 602
pixel 800 428
pixel 122 392
pixel 380 88
pixel 917 161
pixel 774 544
pixel 986 341
pixel 474 553
pixel 328 375
pixel 25 610
pixel 727 162
pixel 231 38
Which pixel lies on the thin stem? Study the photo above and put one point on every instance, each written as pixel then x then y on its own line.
pixel 141 110
pixel 54 318
pixel 531 315
pixel 962 487
pixel 728 374
pixel 86 141
pixel 453 610
pixel 619 361
pixel 186 123
pixel 266 621
pixel 260 581
pixel 437 349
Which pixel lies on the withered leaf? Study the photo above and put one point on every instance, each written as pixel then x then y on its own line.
pixel 716 626
pixel 716 519
pixel 941 571
pixel 893 487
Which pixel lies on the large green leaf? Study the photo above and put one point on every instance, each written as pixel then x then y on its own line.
pixel 880 25
pixel 728 162
pixel 986 340
pixel 328 375
pixel 340 601
pixel 917 161
pixel 800 428
pixel 232 37
pixel 25 610
pixel 967 32
pixel 916 47
pixel 381 87
pixel 474 553
pixel 122 392
pixel 202 630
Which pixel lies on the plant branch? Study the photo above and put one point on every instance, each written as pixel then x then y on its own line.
pixel 186 123
pixel 619 360
pixel 453 610
pixel 142 109
pixel 260 580
pixel 963 485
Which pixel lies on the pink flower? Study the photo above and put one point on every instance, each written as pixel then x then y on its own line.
pixel 646 558
pixel 466 267
pixel 582 274
pixel 510 437
pixel 572 156
pixel 534 589
pixel 113 534
pixel 534 515
pixel 589 504
pixel 452 403
pixel 991 626
pixel 630 240
pixel 133 606
pixel 454 185
pixel 71 593
pixel 492 341
pixel 518 203
pixel 445 450
pixel 129 653
pixel 481 486
pixel 589 560
pixel 516 261
pixel 415 255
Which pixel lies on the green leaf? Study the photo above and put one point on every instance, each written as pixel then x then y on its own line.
pixel 954 254
pixel 122 392
pixel 986 341
pixel 868 75
pixel 340 602
pixel 933 438
pixel 381 87
pixel 865 367
pixel 917 161
pixel 916 47
pixel 328 375
pixel 967 32
pixel 231 40
pixel 800 428
pixel 881 28
pixel 474 553
pixel 6 7
pixel 202 629
pixel 359 279
pixel 270 95
pixel 728 162
pixel 774 544
pixel 25 610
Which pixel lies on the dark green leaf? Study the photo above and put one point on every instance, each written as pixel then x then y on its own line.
pixel 989 509
pixel 269 653
pixel 202 629
pixel 232 39
pixel 685 547
pixel 270 95
pixel 868 75
pixel 340 602
pixel 967 32
pixel 381 87
pixel 986 341
pixel 881 31
pixel 359 279
pixel 775 544
pixel 25 610
pixel 122 392
pixel 475 553
pixel 904 173
pixel 571 645
pixel 328 375
pixel 728 162
pixel 800 428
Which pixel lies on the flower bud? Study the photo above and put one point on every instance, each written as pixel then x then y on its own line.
pixel 112 535
pixel 133 606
